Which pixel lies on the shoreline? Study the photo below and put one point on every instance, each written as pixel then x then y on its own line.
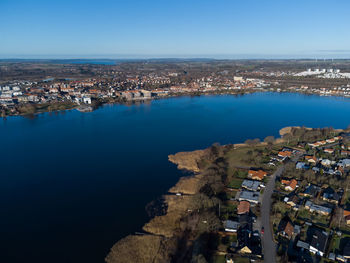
pixel 68 105
pixel 159 229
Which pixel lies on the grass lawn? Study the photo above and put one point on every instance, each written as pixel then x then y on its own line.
pixel 336 242
pixel 245 156
pixel 235 183
pixel 218 259
pixel 241 260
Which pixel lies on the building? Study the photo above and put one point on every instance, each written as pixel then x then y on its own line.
pixel 285 154
pixel 293 201
pixel 251 185
pixel 256 175
pixel 290 185
pixel 87 100
pixel 330 195
pixel 231 226
pixel 323 210
pixel 243 207
pixel 301 165
pixel 311 159
pixel 286 228
pixel 318 242
pixel 328 150
pixel 252 197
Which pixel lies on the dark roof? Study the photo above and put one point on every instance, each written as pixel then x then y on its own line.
pixel 245 223
pixel 346 250
pixel 312 190
pixel 329 193
pixel 319 240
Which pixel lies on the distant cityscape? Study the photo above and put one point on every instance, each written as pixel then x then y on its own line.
pixel 105 83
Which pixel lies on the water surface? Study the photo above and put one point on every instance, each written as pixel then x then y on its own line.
pixel 72 183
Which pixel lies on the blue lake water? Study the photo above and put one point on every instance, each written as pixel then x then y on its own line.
pixel 72 183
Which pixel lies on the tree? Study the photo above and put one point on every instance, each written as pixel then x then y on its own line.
pixel 252 142
pixel 269 140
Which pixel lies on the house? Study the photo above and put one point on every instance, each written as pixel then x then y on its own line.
pixel 87 100
pixel 248 242
pixel 285 154
pixel 257 175
pixel 293 200
pixel 311 191
pixel 243 208
pixel 344 163
pixel 323 210
pixel 328 150
pixel 229 258
pixel 314 145
pixel 303 245
pixel 301 165
pixel 290 185
pixel 347 219
pixel 286 228
pixel 311 159
pixel 332 140
pixel 251 185
pixel 318 242
pixel 330 195
pixel 322 142
pixel 346 153
pixel 346 212
pixel 326 162
pixel 316 169
pixel 346 251
pixel 231 226
pixel 252 197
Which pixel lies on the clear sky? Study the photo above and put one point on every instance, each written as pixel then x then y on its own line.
pixel 174 28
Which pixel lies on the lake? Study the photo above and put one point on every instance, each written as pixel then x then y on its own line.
pixel 72 183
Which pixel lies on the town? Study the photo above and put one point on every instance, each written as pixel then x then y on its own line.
pixel 310 208
pixel 65 88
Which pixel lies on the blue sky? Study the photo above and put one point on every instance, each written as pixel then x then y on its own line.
pixel 167 28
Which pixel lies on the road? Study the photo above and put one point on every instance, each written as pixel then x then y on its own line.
pixel 269 246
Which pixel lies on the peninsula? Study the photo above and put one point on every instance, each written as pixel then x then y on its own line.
pixel 251 201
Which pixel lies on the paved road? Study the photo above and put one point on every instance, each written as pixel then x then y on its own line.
pixel 269 246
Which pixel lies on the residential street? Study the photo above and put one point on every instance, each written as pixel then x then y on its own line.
pixel 269 247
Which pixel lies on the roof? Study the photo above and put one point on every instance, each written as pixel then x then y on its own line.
pixel 312 190
pixel 285 154
pixel 229 224
pixel 251 185
pixel 310 158
pixel 346 250
pixel 318 208
pixel 301 165
pixel 287 227
pixel 319 240
pixel 292 183
pixel 303 244
pixel 243 207
pixel 249 196
pixel 330 194
pixel 260 174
